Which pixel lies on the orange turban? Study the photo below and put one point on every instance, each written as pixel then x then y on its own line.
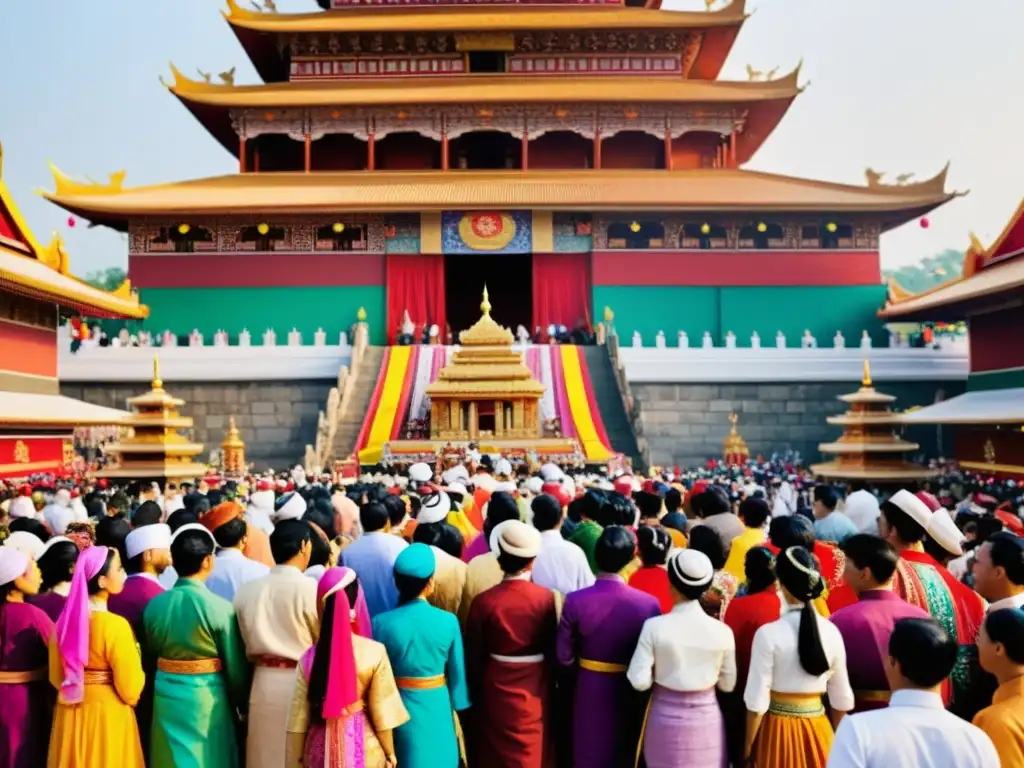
pixel 222 514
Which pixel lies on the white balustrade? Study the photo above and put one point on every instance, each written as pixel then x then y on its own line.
pixel 659 340
pixel 730 340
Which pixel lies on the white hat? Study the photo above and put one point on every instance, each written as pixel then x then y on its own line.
pixel 862 509
pixel 550 472
pixel 535 485
pixel 473 455
pixel 944 532
pixel 22 506
pixel 486 482
pixel 503 467
pixel 604 484
pixel 916 509
pixel 435 508
pixel 191 527
pixel 507 486
pixel 515 537
pixel 691 566
pixel 457 487
pixel 13 563
pixel 26 542
pixel 291 506
pixel 434 330
pixel 52 541
pixel 156 536
pixel 62 497
pixel 421 473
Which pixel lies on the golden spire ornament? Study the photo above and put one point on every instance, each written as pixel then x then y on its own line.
pixel 157 382
pixel 866 379
pixel 485 305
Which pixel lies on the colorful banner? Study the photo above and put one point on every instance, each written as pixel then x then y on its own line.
pixel 24 456
pixel 496 232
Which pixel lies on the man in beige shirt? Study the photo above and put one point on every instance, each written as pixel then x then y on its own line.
pixel 278 619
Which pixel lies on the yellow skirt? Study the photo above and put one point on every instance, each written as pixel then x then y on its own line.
pixel 98 733
pixel 795 733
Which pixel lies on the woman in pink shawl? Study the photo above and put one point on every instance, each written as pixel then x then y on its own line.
pixel 346 704
pixel 95 664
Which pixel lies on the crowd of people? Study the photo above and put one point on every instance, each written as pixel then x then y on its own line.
pixel 480 614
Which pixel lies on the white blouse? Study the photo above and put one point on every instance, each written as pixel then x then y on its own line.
pixel 775 665
pixel 684 650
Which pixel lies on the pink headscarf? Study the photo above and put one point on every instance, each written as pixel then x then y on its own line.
pixel 342 691
pixel 335 579
pixel 73 624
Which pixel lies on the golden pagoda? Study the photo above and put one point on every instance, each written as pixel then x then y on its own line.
pixel 154 450
pixel 734 447
pixel 869 448
pixel 232 451
pixel 486 391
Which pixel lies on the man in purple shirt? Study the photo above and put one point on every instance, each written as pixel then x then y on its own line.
pixel 597 635
pixel 867 624
pixel 147 553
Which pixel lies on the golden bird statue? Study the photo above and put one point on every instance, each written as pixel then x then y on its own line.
pixel 873 177
pixel 904 178
pixel 754 74
pixel 228 77
pixel 205 75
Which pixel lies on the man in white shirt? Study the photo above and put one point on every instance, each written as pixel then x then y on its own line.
pixel 561 565
pixel 58 514
pixel 231 568
pixel 999 571
pixel 915 730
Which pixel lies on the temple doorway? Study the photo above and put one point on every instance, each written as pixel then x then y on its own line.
pixel 509 280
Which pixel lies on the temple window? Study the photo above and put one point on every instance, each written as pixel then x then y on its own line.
pixel 636 235
pixel 486 150
pixel 487 61
pixel 835 235
pixel 183 238
pixel 262 237
pixel 339 236
pixel 703 235
pixel 407 151
pixel 762 235
pixel 810 236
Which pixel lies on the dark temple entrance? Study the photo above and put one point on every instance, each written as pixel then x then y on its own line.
pixel 509 280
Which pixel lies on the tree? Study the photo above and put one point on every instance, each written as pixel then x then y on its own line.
pixel 107 279
pixel 929 272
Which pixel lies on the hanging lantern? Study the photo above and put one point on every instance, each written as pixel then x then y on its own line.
pixel 184 229
pixel 337 227
pixel 634 227
pixel 705 228
pixel 762 227
pixel 831 227
pixel 71 222
pixel 925 223
pixel 263 228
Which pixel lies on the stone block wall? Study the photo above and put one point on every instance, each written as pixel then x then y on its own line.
pixel 685 424
pixel 276 419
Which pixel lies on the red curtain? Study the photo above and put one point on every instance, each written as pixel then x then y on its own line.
pixel 561 289
pixel 415 283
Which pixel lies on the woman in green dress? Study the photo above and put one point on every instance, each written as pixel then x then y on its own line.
pixel 425 647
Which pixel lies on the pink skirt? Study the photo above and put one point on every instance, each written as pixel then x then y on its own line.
pixel 684 729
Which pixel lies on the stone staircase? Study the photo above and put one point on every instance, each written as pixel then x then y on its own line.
pixel 611 403
pixel 353 409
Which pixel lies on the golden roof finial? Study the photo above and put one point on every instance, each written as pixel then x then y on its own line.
pixel 866 380
pixel 157 383
pixel 485 305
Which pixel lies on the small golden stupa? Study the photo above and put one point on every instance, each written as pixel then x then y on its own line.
pixel 154 450
pixel 486 391
pixel 869 448
pixel 232 452
pixel 734 447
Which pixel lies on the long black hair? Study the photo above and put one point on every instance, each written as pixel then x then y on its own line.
pixel 316 692
pixel 800 574
pixel 759 568
pixel 57 564
pixel 94 582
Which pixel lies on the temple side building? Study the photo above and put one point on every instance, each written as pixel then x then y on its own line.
pixel 36 286
pixel 399 157
pixel 989 296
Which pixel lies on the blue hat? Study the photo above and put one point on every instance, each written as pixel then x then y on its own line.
pixel 416 561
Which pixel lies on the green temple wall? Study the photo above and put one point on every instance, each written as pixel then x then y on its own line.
pixel 332 308
pixel 742 310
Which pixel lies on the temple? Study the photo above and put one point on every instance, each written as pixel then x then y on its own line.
pixel 36 289
pixel 399 156
pixel 989 296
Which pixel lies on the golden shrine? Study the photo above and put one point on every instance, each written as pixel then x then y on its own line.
pixel 734 447
pixel 232 451
pixel 486 391
pixel 869 448
pixel 154 450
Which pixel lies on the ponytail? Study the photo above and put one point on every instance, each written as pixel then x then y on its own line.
pixel 798 572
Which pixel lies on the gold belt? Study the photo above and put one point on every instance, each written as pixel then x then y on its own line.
pixel 796 704
pixel 276 662
pixel 24 676
pixel 602 666
pixel 420 683
pixel 189 666
pixel 98 677
pixel 879 697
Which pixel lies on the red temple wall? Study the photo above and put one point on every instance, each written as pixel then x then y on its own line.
pixel 407 152
pixel 560 149
pixel 255 270
pixel 693 150
pixel 996 340
pixel 631 149
pixel 736 268
pixel 26 349
pixel 336 152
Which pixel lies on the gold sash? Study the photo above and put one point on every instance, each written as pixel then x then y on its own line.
pixel 189 666
pixel 602 666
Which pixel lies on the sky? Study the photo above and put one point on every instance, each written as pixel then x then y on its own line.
pixel 898 85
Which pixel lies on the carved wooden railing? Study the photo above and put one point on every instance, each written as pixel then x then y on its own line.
pixel 607 335
pixel 339 401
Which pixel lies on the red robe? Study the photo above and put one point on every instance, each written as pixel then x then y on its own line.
pixel 511 721
pixel 654 581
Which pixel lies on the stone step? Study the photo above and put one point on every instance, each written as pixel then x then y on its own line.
pixel 609 402
pixel 355 414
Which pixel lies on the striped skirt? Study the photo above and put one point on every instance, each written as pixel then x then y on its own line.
pixel 794 733
pixel 684 729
